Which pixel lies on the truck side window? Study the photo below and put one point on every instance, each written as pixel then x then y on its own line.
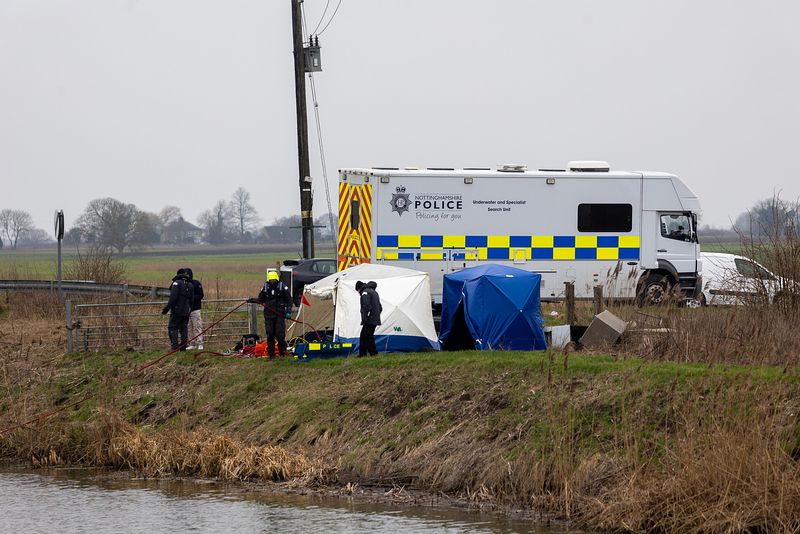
pixel 676 226
pixel 355 215
pixel 605 217
pixel 749 269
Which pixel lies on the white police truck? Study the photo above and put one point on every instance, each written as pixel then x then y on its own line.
pixel 634 233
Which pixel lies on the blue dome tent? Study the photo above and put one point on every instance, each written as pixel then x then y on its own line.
pixel 492 307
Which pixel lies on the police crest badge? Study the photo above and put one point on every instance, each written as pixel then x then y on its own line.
pixel 400 200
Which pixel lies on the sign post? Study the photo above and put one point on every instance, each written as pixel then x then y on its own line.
pixel 58 227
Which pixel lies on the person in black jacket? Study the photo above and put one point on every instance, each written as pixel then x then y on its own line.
pixel 277 302
pixel 195 317
pixel 181 295
pixel 370 317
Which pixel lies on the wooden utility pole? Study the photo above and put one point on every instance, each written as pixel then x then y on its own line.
pixel 306 202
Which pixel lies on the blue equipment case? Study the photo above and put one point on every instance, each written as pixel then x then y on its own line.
pixel 309 351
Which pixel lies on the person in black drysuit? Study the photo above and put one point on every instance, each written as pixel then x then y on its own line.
pixel 181 295
pixel 277 302
pixel 370 317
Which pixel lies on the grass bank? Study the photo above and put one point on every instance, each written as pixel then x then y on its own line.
pixel 609 442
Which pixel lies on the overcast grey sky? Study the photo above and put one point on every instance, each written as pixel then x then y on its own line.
pixel 168 102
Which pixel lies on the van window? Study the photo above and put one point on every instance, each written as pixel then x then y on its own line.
pixel 676 226
pixel 749 269
pixel 605 217
pixel 355 215
pixel 324 267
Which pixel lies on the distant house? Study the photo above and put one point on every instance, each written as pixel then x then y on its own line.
pixel 182 232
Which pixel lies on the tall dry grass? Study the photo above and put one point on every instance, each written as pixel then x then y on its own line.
pixel 760 335
pixel 33 305
pixel 727 469
pixel 110 441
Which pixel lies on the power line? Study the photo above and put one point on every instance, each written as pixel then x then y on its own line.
pixel 324 11
pixel 331 221
pixel 330 20
pixel 334 230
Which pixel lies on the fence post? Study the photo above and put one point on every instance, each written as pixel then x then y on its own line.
pixel 252 317
pixel 598 299
pixel 68 314
pixel 569 294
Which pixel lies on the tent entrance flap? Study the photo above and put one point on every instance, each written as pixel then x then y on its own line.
pixel 458 338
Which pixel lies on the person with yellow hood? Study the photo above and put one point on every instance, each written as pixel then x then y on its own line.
pixel 277 302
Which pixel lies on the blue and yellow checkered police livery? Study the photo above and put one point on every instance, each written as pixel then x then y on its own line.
pixel 508 247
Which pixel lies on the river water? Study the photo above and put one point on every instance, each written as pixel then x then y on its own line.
pixel 79 500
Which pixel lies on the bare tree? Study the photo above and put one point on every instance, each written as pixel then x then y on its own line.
pixel 35 236
pixel 243 212
pixel 324 227
pixel 147 229
pixel 109 222
pixel 217 223
pixel 14 223
pixel 768 217
pixel 168 215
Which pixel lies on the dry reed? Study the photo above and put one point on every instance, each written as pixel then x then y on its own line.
pixel 116 443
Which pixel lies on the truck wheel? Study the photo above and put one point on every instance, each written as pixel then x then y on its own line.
pixel 654 291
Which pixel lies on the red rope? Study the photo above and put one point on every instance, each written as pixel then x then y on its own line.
pixel 298 321
pixel 185 343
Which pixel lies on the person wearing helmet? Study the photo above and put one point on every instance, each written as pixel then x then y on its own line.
pixel 277 302
pixel 181 295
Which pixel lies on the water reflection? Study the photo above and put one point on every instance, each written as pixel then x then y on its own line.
pixel 78 500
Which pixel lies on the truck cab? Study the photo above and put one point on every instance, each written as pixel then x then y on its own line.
pixel 671 251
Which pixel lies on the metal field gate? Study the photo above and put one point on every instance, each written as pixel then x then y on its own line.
pixel 140 325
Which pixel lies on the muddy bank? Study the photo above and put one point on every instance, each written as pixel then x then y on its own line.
pixel 602 441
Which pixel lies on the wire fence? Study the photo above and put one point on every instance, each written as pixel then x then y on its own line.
pixel 141 326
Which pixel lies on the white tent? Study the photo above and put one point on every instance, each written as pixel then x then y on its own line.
pixel 334 304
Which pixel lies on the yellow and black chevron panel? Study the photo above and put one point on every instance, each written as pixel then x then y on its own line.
pixel 505 247
pixel 355 224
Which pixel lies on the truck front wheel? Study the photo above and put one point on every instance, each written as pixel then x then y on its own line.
pixel 654 291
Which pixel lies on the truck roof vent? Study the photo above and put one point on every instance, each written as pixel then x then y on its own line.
pixel 552 170
pixel 511 167
pixel 588 166
pixel 477 169
pixel 410 168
